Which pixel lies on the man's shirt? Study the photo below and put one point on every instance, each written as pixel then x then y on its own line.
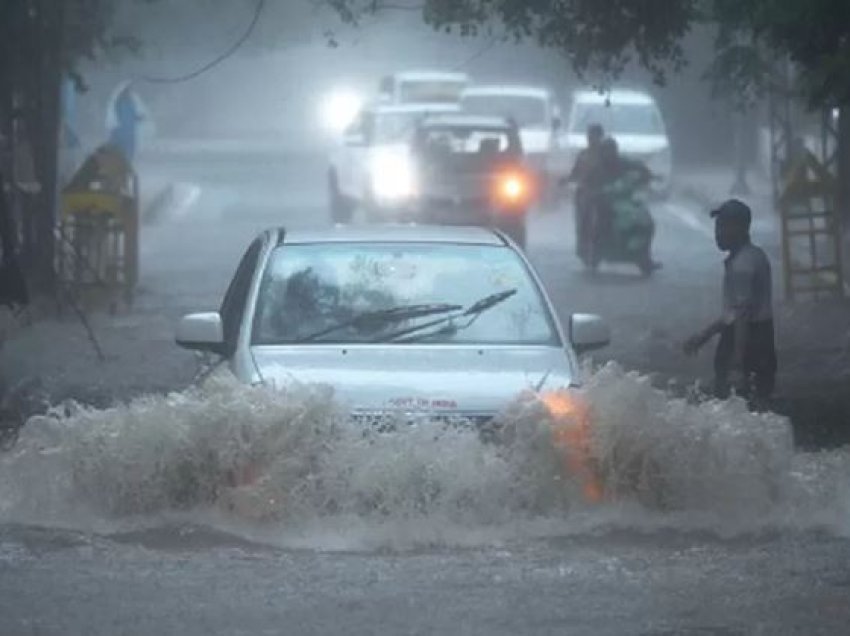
pixel 747 286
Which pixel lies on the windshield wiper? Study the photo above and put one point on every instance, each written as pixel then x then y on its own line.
pixel 382 317
pixel 446 323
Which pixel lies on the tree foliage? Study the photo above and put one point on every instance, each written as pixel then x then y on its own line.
pixel 593 35
pixel 814 35
pixel 607 35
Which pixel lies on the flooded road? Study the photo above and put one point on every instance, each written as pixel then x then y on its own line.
pixel 227 510
pixel 191 582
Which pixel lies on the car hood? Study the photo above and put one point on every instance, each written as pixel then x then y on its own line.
pixel 416 379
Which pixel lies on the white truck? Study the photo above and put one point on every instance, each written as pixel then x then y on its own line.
pixel 633 119
pixel 370 168
pixel 422 87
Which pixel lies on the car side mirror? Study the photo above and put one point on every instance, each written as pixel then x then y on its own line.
pixel 354 139
pixel 201 332
pixel 588 333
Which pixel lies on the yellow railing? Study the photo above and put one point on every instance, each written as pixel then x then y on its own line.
pixel 98 230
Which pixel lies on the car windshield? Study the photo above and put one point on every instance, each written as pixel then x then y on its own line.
pixel 527 111
pixel 626 119
pixel 394 127
pixel 319 293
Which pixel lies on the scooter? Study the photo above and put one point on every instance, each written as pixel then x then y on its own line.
pixel 618 225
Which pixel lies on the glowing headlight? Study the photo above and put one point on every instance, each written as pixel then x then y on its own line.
pixel 340 109
pixel 513 187
pixel 393 175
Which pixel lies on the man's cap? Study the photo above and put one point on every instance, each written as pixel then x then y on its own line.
pixel 733 210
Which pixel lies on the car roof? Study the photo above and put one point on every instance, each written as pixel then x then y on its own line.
pixel 508 89
pixel 466 121
pixel 430 75
pixel 424 108
pixel 393 233
pixel 615 96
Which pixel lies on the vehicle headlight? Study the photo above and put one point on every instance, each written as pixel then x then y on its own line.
pixel 393 176
pixel 513 189
pixel 572 438
pixel 339 110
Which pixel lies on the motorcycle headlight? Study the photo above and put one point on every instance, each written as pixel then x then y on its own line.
pixel 393 176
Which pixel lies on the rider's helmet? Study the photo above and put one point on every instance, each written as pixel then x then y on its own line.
pixel 595 134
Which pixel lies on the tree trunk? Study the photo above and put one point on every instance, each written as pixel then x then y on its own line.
pixel 44 127
pixel 742 141
pixel 844 164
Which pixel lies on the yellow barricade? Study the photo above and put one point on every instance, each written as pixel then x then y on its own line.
pixel 98 242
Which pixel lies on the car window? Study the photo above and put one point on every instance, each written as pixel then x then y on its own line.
pixel 634 119
pixel 361 126
pixel 394 127
pixel 233 307
pixel 439 141
pixel 310 288
pixel 526 111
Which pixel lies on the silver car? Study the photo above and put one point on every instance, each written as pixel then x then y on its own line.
pixel 449 321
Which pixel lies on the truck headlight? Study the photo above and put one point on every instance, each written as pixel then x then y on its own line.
pixel 340 109
pixel 393 176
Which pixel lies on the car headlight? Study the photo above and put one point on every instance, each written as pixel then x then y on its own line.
pixel 572 438
pixel 340 109
pixel 393 176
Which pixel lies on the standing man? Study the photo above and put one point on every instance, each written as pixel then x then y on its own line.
pixel 745 359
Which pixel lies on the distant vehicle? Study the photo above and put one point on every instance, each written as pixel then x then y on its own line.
pixel 633 119
pixel 422 87
pixel 371 168
pixel 399 320
pixel 470 170
pixel 537 114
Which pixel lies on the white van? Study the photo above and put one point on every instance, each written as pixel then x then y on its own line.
pixel 422 87
pixel 633 119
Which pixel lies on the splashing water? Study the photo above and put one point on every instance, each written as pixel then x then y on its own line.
pixel 288 466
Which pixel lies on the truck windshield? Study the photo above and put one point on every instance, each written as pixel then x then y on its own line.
pixel 625 119
pixel 528 112
pixel 430 91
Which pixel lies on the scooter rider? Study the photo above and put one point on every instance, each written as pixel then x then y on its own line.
pixel 585 173
pixel 618 213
